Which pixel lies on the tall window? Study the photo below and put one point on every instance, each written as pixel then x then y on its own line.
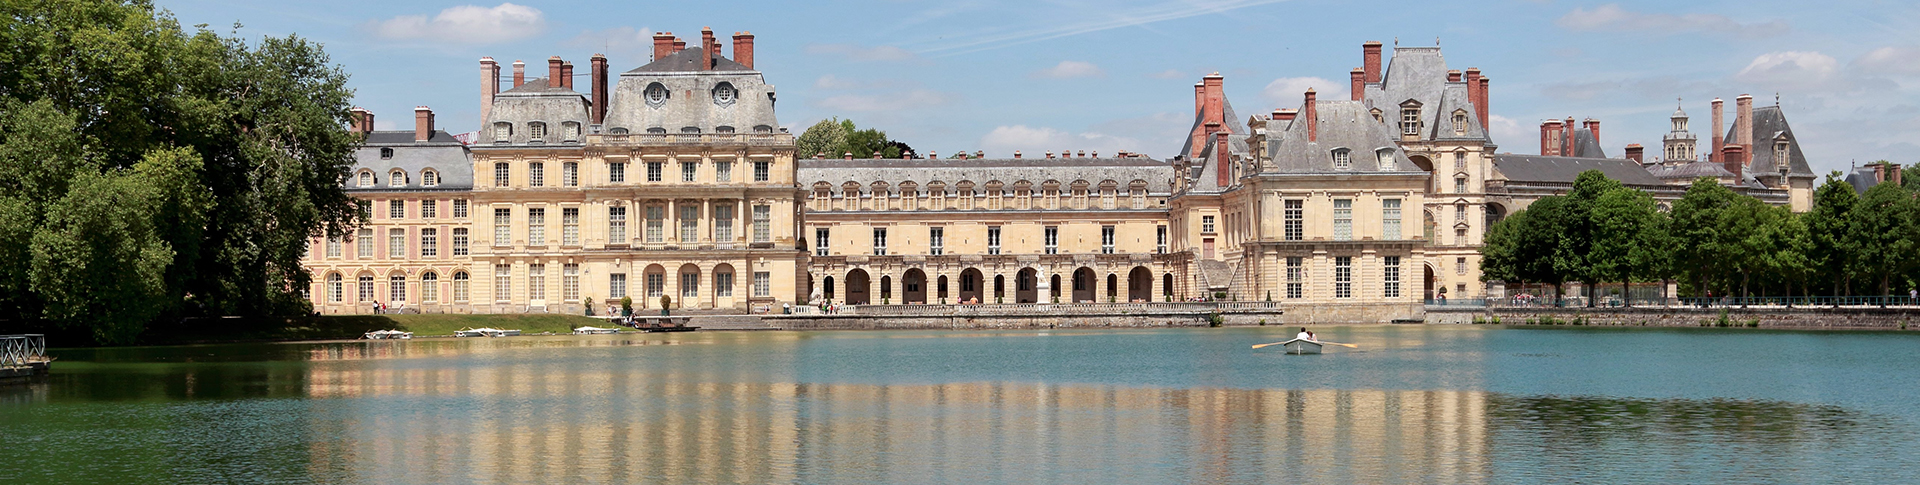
pixel 1385 158
pixel 537 174
pixel 536 131
pixel 502 226
pixel 459 208
pixel 536 226
pixel 616 286
pixel 993 239
pixel 570 130
pixel 1460 265
pixel 1410 120
pixel 1460 161
pixel 655 171
pixel 689 223
pixel 1460 185
pixel 501 174
pixel 723 223
pixel 689 287
pixel 1052 239
pixel 570 282
pixel 502 282
pixel 429 242
pixel 879 241
pixel 656 286
pixel 1343 277
pixel 616 172
pixel 822 238
pixel 397 179
pixel 1160 239
pixel 459 241
pixel 616 225
pixel 502 131
pixel 1390 276
pixel 723 172
pixel 365 287
pixel 1459 213
pixel 363 247
pixel 366 179
pixel 1206 224
pixel 1343 219
pixel 656 223
pixel 1390 219
pixel 333 247
pixel 762 223
pixel 1295 214
pixel 570 174
pixel 460 286
pixel 723 284
pixel 430 178
pixel 570 226
pixel 396 209
pixel 397 288
pixel 1342 159
pixel 429 209
pixel 689 170
pixel 1296 277
pixel 762 284
pixel 1459 122
pixel 429 287
pixel 536 282
pixel 1106 239
pixel 762 171
pixel 335 291
pixel 936 241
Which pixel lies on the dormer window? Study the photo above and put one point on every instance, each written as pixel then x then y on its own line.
pixel 618 131
pixel 366 179
pixel 429 178
pixel 723 129
pixel 1377 116
pixel 502 132
pixel 656 131
pixel 1342 159
pixel 536 131
pixel 1386 159
pixel 690 129
pixel 1460 122
pixel 570 130
pixel 656 94
pixel 386 153
pixel 724 94
pixel 397 179
pixel 1410 118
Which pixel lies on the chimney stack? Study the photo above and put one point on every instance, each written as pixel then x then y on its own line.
pixel 1370 57
pixel 489 86
pixel 1473 92
pixel 555 68
pixel 1285 114
pixel 599 86
pixel 1049 154
pixel 1453 75
pixel 519 73
pixel 1593 126
pixel 1312 115
pixel 422 124
pixel 1221 157
pixel 1636 153
pixel 1550 138
pixel 1743 123
pixel 1485 110
pixel 1566 138
pixel 679 44
pixel 743 48
pixel 1719 123
pixel 1016 154
pixel 1358 79
pixel 662 45
pixel 706 48
pixel 1734 159
pixel 1216 98
pixel 360 120
pixel 566 75
pixel 1080 154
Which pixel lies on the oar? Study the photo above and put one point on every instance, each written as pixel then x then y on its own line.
pixel 1271 344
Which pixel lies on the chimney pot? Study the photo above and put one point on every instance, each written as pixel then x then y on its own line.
pixel 1636 153
pixel 360 121
pixel 1370 57
pixel 422 124
pixel 1080 154
pixel 555 68
pixel 519 73
pixel 566 75
pixel 1049 154
pixel 599 86
pixel 1484 104
pixel 707 47
pixel 1719 123
pixel 1358 79
pixel 662 45
pixel 1453 75
pixel 1311 111
pixel 1016 154
pixel 848 155
pixel 489 86
pixel 1221 158
pixel 743 49
pixel 1285 114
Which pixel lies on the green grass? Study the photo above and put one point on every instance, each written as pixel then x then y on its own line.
pixel 352 326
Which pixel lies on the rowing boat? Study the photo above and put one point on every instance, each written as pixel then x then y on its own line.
pixel 1302 346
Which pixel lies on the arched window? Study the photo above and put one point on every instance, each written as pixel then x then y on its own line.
pixel 618 131
pixel 690 129
pixel 397 288
pixel 366 179
pixel 1342 159
pixel 656 131
pixel 460 286
pixel 365 287
pixel 429 178
pixel 723 129
pixel 1460 122
pixel 429 287
pixel 1410 118
pixel 397 178
pixel 335 288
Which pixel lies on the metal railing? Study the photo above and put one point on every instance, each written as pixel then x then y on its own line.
pixel 1699 302
pixel 22 350
pixel 1056 308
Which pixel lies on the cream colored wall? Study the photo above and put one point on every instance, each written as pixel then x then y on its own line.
pixel 444 264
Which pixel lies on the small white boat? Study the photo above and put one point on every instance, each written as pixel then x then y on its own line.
pixel 485 332
pixel 594 331
pixel 388 335
pixel 1302 346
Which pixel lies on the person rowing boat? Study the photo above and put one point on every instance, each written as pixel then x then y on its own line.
pixel 1305 335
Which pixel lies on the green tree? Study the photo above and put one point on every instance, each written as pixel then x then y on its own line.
pixel 1627 235
pixel 836 137
pixel 1883 234
pixel 195 167
pixel 1577 258
pixel 1828 226
pixel 827 138
pixel 1702 237
pixel 1522 248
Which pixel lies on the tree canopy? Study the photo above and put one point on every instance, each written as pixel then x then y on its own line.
pixel 150 172
pixel 834 138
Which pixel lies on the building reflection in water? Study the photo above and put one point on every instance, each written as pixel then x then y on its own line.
pixel 556 423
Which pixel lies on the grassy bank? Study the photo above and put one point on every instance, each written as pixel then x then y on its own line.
pixel 351 326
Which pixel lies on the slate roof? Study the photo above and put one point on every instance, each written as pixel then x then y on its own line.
pixel 1691 170
pixel 688 60
pixel 441 153
pixel 1233 125
pixel 1343 125
pixel 1585 145
pixel 1420 74
pixel 1768 123
pixel 1540 168
pixel 1201 167
pixel 533 101
pixel 865 171
pixel 691 104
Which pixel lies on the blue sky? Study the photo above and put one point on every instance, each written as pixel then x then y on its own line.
pixel 1043 75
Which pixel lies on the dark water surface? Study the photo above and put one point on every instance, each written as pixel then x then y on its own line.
pixel 1415 404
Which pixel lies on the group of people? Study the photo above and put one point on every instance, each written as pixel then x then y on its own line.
pixel 1306 335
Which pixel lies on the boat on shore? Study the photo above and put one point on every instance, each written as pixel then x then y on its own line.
pixel 388 335
pixel 485 332
pixel 594 331
pixel 1301 346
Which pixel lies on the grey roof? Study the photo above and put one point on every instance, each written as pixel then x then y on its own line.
pixel 1861 178
pixel 1419 74
pixel 688 60
pixel 441 153
pixel 1540 168
pixel 691 103
pixel 1769 124
pixel 535 101
pixel 1585 145
pixel 1157 174
pixel 1201 166
pixel 1691 170
pixel 1233 125
pixel 1343 125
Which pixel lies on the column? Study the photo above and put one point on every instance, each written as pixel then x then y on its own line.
pixel 670 226
pixel 706 221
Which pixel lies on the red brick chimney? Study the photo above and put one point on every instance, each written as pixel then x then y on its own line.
pixel 1743 123
pixel 1358 79
pixel 1216 99
pixel 743 49
pixel 1550 138
pixel 1284 115
pixel 679 44
pixel 489 86
pixel 519 73
pixel 1566 138
pixel 360 120
pixel 422 124
pixel 1221 157
pixel 599 81
pixel 1453 75
pixel 1310 110
pixel 566 75
pixel 1485 110
pixel 1734 159
pixel 555 66
pixel 1016 154
pixel 1719 123
pixel 1635 152
pixel 1473 92
pixel 662 45
pixel 1370 59
pixel 706 48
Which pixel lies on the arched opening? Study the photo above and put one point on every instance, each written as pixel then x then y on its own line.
pixel 999 288
pixel 723 286
pixel 857 287
pixel 656 286
pixel 1053 288
pixel 1026 286
pixel 1421 161
pixel 1495 213
pixel 1431 281
pixel 915 289
pixel 1140 284
pixel 941 289
pixel 886 289
pixel 689 286
pixel 1113 287
pixel 826 289
pixel 1166 286
pixel 1083 281
pixel 970 285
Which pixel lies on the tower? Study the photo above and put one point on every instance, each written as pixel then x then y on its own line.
pixel 1678 145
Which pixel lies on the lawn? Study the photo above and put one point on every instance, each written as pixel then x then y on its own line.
pixel 328 327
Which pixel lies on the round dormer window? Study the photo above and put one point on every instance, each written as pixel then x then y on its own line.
pixel 723 94
pixel 656 94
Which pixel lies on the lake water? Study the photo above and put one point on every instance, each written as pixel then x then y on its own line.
pixel 1414 404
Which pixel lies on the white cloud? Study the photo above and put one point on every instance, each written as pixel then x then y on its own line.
pixel 1791 70
pixel 886 102
pixel 1891 60
pixel 834 82
pixel 1509 134
pixel 466 24
pixel 1291 91
pixel 1168 74
pixel 1035 142
pixel 1611 17
pixel 1069 70
pixel 885 53
pixel 628 44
